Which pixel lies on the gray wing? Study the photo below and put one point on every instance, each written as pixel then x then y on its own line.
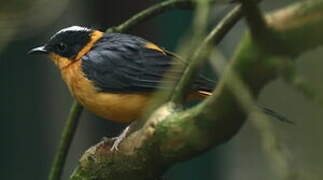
pixel 121 63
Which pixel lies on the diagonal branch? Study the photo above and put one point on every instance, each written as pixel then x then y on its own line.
pixel 154 11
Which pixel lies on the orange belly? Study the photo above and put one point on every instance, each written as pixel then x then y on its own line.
pixel 122 108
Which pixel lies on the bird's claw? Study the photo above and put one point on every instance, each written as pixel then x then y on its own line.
pixel 118 140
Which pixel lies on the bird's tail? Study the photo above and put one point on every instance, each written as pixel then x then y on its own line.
pixel 201 94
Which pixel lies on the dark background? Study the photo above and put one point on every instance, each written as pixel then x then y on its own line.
pixel 35 101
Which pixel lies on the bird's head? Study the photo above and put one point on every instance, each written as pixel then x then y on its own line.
pixel 68 44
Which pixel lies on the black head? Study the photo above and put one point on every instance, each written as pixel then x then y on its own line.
pixel 66 42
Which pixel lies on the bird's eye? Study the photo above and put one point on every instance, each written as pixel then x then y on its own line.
pixel 61 47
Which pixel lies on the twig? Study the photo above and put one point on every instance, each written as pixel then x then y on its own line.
pixel 259 29
pixel 154 11
pixel 203 51
pixel 65 141
pixel 255 19
pixel 199 27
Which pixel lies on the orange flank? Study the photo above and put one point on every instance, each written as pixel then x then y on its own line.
pixel 122 108
pixel 199 95
pixel 154 47
pixel 204 93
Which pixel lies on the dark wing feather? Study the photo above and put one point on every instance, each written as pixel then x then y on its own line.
pixel 121 63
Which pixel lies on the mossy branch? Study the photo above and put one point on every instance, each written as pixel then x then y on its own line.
pixel 168 136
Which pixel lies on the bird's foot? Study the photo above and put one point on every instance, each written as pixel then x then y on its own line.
pixel 119 139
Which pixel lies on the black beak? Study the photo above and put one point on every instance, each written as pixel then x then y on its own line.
pixel 38 50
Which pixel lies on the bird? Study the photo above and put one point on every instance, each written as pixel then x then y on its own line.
pixel 114 75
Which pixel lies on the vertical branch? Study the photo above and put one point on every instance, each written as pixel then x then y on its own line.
pixel 255 19
pixel 65 141
pixel 199 26
pixel 223 27
pixel 264 37
pixel 260 32
pixel 203 51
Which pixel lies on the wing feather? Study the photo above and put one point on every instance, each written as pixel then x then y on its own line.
pixel 121 63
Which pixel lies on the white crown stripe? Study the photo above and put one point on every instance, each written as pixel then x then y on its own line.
pixel 72 28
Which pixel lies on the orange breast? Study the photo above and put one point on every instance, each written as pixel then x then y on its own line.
pixel 122 108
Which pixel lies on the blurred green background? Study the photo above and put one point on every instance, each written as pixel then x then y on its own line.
pixel 35 101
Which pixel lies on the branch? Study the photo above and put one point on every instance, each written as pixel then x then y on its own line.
pixel 65 141
pixel 168 137
pixel 255 19
pixel 154 11
pixel 260 32
pixel 203 51
pixel 199 27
